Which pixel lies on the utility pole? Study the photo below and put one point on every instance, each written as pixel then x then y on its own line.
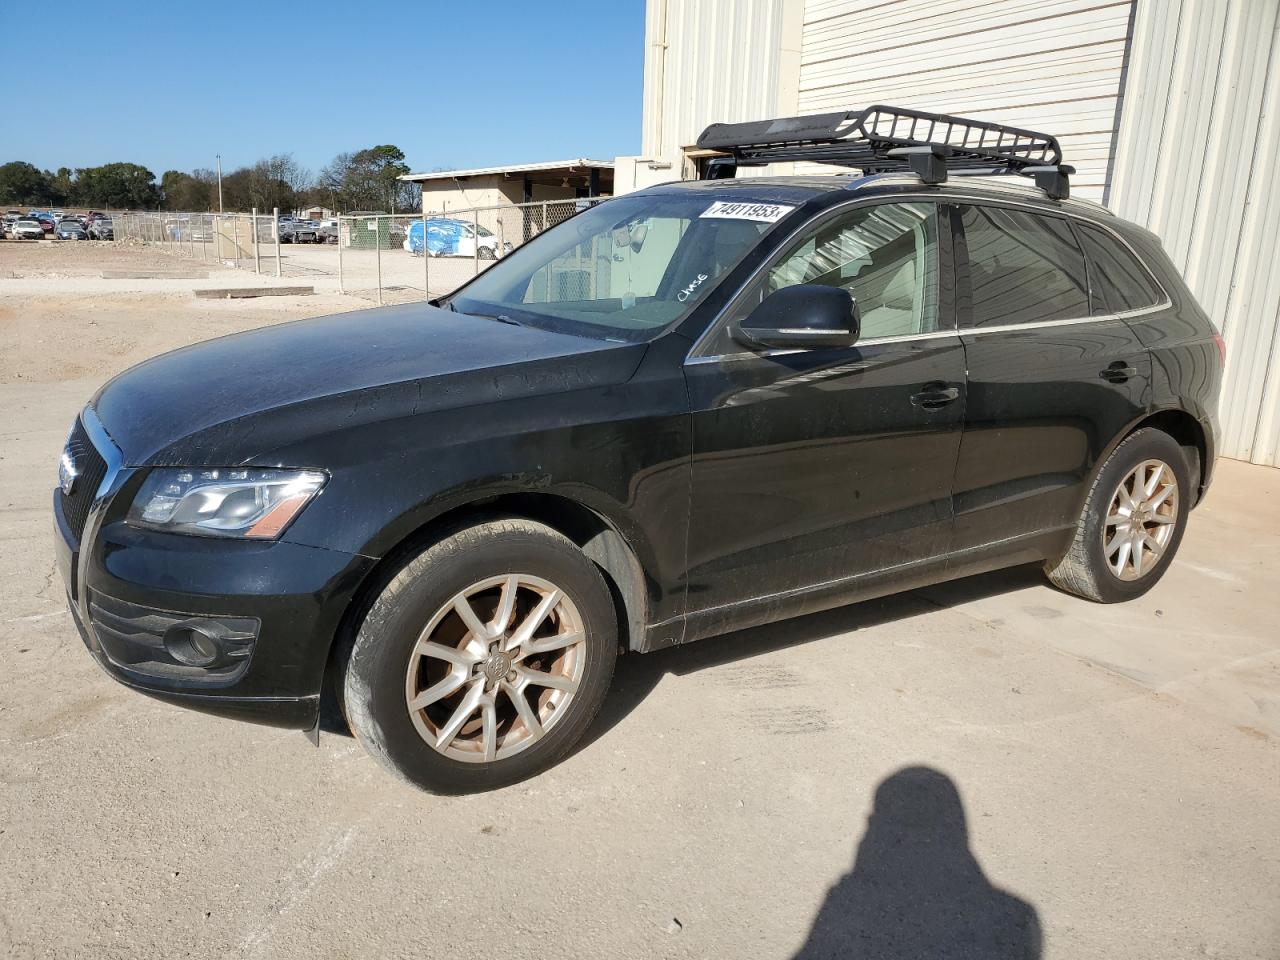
pixel 218 157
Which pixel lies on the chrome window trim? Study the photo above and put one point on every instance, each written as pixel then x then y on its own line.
pixel 837 209
pixel 785 351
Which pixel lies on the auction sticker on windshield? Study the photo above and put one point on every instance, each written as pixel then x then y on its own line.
pixel 746 210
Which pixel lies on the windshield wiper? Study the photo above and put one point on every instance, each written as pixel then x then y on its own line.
pixel 500 317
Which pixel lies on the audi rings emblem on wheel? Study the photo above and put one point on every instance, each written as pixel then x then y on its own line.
pixel 495 668
pixel 1141 519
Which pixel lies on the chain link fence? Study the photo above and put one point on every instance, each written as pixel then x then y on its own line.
pixel 387 258
pixel 249 240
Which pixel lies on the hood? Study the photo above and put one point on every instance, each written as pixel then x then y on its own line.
pixel 227 401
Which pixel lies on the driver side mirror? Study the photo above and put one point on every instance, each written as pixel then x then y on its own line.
pixel 802 317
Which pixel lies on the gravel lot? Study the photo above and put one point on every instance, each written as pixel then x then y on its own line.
pixel 401 274
pixel 887 780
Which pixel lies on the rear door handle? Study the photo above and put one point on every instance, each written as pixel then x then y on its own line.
pixel 1118 372
pixel 935 396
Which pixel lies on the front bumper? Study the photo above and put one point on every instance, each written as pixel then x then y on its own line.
pixel 274 607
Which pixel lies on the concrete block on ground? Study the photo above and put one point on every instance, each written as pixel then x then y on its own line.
pixel 190 274
pixel 237 293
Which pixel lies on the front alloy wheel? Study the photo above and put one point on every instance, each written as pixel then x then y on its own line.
pixel 483 659
pixel 496 668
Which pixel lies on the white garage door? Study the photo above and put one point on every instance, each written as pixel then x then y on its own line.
pixel 1048 65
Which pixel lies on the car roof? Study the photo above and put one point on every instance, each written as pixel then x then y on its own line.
pixel 798 189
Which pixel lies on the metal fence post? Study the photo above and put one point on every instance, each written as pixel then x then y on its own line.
pixel 257 253
pixel 341 288
pixel 377 247
pixel 235 237
pixel 475 230
pixel 426 254
pixel 204 237
pixel 275 233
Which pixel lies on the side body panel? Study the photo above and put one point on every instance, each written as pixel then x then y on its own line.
pixel 819 476
pixel 620 450
pixel 1044 401
pixel 814 471
pixel 1039 416
pixel 1186 365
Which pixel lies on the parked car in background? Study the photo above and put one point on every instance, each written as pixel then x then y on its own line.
pixel 103 229
pixel 70 230
pixel 27 229
pixel 450 237
pixel 298 231
pixel 47 223
pixel 328 231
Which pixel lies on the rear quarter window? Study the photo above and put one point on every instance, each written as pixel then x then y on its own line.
pixel 1119 282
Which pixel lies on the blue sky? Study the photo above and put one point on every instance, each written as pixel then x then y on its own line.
pixel 168 85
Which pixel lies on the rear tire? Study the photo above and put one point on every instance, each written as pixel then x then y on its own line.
pixel 1132 522
pixel 444 687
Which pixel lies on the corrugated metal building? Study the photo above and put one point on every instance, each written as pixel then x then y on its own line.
pixel 1169 110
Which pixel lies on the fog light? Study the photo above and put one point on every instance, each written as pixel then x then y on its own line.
pixel 188 643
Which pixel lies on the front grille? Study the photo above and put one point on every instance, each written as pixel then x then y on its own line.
pixel 90 469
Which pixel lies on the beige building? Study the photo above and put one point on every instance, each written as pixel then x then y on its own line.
pixel 1168 109
pixel 520 183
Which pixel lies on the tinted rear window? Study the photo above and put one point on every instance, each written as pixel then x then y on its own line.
pixel 1023 268
pixel 1120 282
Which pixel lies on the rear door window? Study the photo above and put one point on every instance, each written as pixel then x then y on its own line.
pixel 1023 268
pixel 1120 282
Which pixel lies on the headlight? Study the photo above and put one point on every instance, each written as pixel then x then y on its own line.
pixel 246 502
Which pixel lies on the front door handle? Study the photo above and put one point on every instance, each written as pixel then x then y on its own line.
pixel 934 396
pixel 1118 372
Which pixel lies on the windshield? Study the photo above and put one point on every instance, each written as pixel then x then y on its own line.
pixel 624 269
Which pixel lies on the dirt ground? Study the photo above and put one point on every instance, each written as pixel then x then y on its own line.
pixel 61 324
pixel 895 779
pixel 24 259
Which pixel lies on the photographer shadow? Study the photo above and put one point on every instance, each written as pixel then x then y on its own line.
pixel 916 891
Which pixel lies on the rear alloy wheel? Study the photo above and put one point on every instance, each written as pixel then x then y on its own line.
pixel 483 660
pixel 1141 520
pixel 1132 522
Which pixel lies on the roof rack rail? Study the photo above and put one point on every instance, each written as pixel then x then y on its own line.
pixel 880 139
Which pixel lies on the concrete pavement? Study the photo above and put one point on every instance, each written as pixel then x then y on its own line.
pixel 1081 781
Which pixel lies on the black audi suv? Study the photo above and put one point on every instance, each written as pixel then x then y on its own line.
pixel 695 408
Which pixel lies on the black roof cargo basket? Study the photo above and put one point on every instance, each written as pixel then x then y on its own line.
pixel 880 139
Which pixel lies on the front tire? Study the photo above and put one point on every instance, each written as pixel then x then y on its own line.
pixel 483 660
pixel 1132 522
